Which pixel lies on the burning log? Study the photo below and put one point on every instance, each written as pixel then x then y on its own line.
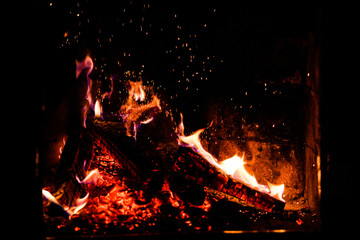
pixel 140 164
pixel 67 191
pixel 128 167
pixel 194 168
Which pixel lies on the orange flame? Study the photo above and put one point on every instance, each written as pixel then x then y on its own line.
pixel 233 166
pixel 98 109
pixel 276 191
pixel 136 91
pixel 61 148
pixel 134 113
pixel 78 204
pixel 91 177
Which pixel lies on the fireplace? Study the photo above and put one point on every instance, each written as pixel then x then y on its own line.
pixel 165 119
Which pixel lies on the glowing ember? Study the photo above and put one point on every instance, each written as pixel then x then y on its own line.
pixel 233 166
pixel 120 201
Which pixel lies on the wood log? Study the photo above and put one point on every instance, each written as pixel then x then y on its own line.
pixel 128 167
pixel 78 150
pixel 141 161
pixel 194 168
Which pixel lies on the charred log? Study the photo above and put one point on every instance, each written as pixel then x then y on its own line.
pixel 125 164
pixel 78 151
pixel 196 169
pixel 187 190
pixel 139 163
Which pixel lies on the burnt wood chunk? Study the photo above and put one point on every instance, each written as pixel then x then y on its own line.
pixel 195 168
pixel 78 150
pixel 140 162
pixel 128 166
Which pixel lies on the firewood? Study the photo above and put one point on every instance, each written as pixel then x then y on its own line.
pixel 128 166
pixel 78 150
pixel 194 168
pixel 139 160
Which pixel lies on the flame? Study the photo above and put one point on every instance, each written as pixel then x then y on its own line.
pixel 276 191
pixel 136 91
pixel 50 197
pixel 87 64
pixel 61 148
pixel 98 109
pixel 193 141
pixel 134 113
pixel 108 94
pixel 91 177
pixel 234 166
pixel 78 204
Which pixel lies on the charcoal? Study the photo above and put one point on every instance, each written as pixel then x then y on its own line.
pixel 187 190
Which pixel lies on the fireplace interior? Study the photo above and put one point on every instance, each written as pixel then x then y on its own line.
pixel 173 118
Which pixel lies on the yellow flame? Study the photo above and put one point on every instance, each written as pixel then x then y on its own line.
pixel 276 191
pixel 136 91
pixel 98 109
pixel 233 166
pixel 91 177
pixel 136 111
pixel 79 204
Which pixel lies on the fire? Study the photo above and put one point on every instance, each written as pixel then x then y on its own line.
pixel 92 177
pixel 61 148
pixel 73 209
pixel 136 111
pixel 50 197
pixel 107 95
pixel 87 65
pixel 136 91
pixel 79 203
pixel 98 109
pixel 234 166
pixel 193 141
pixel 120 201
pixel 277 191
